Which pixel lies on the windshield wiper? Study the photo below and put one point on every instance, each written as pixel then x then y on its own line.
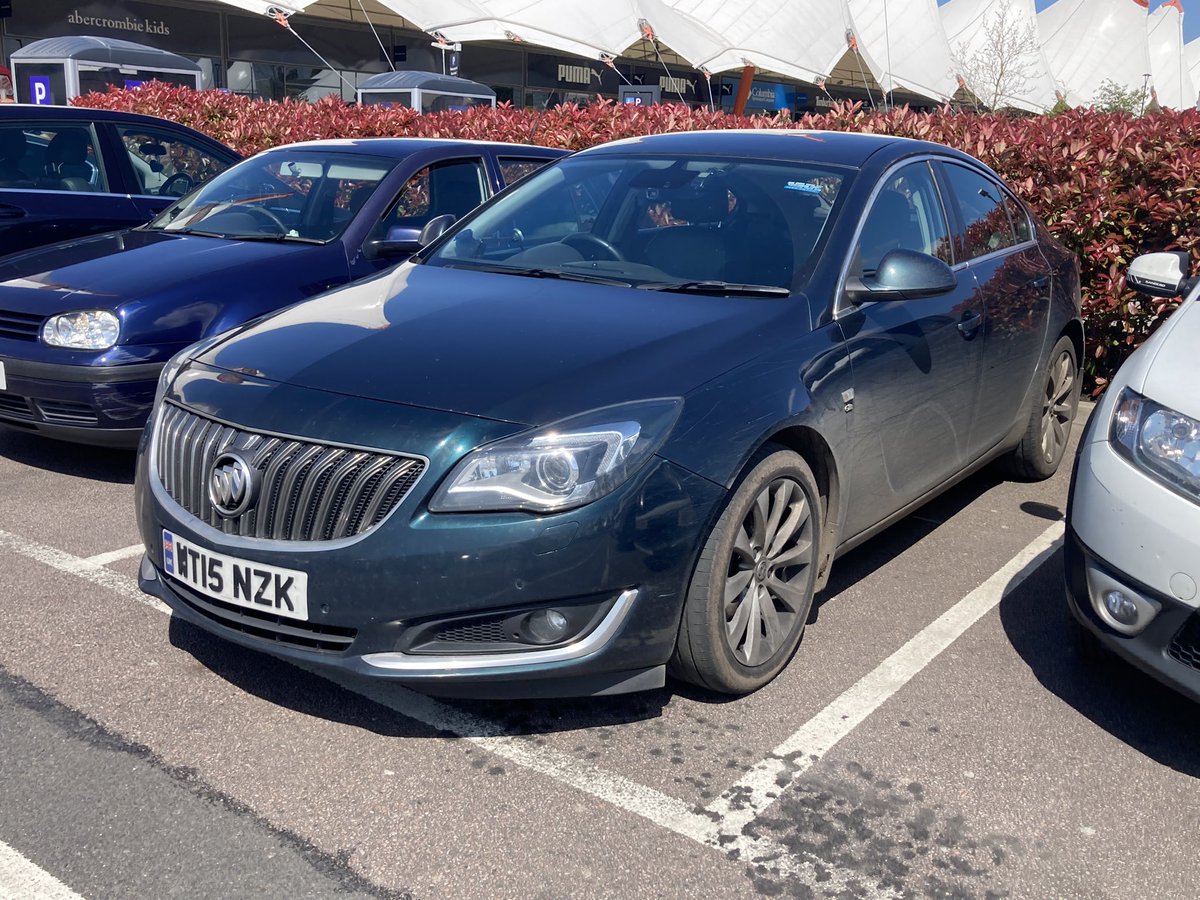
pixel 280 238
pixel 725 288
pixel 195 231
pixel 532 272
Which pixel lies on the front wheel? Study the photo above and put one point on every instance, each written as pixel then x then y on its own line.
pixel 1054 407
pixel 752 588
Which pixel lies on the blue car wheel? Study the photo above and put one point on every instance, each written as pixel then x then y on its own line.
pixel 753 585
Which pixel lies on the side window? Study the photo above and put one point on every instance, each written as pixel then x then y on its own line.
pixel 50 157
pixel 985 224
pixel 514 168
pixel 168 164
pixel 906 214
pixel 456 187
pixel 1020 219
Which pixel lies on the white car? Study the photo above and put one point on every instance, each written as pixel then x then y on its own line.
pixel 1133 518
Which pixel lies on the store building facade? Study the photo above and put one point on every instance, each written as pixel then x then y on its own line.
pixel 254 55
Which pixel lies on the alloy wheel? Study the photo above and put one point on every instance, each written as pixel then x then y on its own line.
pixel 766 584
pixel 1058 408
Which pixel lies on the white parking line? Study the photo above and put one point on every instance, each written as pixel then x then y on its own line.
pixel 663 810
pixel 22 880
pixel 74 565
pixel 112 556
pixel 722 824
pixel 758 788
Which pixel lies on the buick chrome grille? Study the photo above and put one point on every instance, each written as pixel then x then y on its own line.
pixel 308 491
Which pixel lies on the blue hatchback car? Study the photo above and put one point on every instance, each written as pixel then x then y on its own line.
pixel 86 326
pixel 68 171
pixel 617 422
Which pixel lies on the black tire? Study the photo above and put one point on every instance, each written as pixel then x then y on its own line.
pixel 1053 412
pixel 737 645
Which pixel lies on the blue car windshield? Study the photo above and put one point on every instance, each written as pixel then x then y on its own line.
pixel 704 225
pixel 309 196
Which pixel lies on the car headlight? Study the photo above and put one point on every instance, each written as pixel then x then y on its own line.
pixel 561 466
pixel 1160 441
pixel 86 329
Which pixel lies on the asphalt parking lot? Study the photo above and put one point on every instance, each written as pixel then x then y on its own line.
pixel 938 734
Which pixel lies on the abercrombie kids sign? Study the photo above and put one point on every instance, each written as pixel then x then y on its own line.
pixel 191 32
pixel 128 23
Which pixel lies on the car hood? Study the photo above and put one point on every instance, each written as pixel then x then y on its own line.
pixel 108 270
pixel 505 347
pixel 1171 373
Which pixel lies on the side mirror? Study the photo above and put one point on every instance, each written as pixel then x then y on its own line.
pixel 399 242
pixel 903 275
pixel 1160 274
pixel 435 228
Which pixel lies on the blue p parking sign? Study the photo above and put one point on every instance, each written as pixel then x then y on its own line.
pixel 39 90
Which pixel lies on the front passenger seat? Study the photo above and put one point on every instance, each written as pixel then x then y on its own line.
pixel 66 167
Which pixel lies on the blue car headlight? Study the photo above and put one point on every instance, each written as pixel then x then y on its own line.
pixel 85 329
pixel 561 466
pixel 1158 440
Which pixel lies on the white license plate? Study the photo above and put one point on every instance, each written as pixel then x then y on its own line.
pixel 254 585
pixel 3 377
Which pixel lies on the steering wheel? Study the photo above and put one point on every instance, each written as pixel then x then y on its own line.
pixel 265 215
pixel 592 246
pixel 176 185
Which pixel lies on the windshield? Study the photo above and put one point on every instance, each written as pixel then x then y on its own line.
pixel 307 195
pixel 708 225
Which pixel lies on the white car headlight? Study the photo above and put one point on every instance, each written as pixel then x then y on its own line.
pixel 86 329
pixel 561 466
pixel 1160 441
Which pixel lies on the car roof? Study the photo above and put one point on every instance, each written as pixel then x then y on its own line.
pixel 26 111
pixel 403 146
pixel 843 147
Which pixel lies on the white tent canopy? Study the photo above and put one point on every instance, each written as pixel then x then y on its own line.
pixel 1191 59
pixel 904 44
pixel 262 7
pixel 1169 73
pixel 981 33
pixel 799 38
pixel 1088 42
pixel 573 26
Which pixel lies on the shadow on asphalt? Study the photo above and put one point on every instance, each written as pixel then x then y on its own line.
pixel 1128 704
pixel 894 541
pixel 283 684
pixel 78 460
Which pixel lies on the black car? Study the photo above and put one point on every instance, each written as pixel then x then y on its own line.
pixel 620 420
pixel 67 172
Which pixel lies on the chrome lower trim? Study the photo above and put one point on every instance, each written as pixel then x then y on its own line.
pixel 482 663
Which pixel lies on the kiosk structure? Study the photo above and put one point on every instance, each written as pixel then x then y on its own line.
pixel 425 91
pixel 55 70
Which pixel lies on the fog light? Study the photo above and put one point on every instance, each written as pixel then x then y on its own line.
pixel 546 626
pixel 1121 608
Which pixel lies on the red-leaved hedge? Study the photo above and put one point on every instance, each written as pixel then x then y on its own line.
pixel 1108 185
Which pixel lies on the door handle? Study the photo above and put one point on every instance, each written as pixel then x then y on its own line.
pixel 11 212
pixel 1040 282
pixel 968 325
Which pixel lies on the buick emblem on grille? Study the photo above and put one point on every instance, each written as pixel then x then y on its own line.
pixel 231 484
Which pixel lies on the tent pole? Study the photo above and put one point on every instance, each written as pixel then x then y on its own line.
pixel 743 91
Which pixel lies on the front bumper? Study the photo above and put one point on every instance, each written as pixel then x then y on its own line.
pixel 1132 533
pixel 629 554
pixel 1169 647
pixel 105 406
